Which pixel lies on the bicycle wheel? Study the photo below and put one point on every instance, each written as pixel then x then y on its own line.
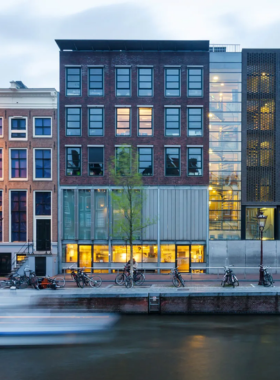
pixel 236 282
pixel 119 280
pixel 3 284
pixel 128 282
pixel 60 281
pixel 139 279
pixel 176 282
pixel 80 282
pixel 182 281
pixel 267 281
pixel 95 281
pixel 23 284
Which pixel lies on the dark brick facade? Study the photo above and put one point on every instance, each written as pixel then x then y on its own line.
pixel 158 60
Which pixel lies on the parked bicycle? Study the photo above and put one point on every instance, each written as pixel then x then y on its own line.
pixel 85 279
pixel 177 278
pixel 21 282
pixel 138 277
pixel 229 278
pixel 267 277
pixel 51 283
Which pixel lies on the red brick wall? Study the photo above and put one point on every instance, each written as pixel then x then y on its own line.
pixel 158 60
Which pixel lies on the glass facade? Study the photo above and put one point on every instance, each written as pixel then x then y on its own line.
pixel 84 214
pixel 225 146
pixel 68 214
pixel 252 227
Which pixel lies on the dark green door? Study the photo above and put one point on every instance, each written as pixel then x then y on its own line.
pixel 5 264
pixel 43 235
pixel 40 266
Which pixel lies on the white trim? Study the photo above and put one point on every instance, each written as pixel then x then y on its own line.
pixel 72 145
pixel 18 131
pixel 122 106
pixel 10 215
pixel 172 146
pixel 145 106
pixel 95 65
pixel 176 66
pixel 36 217
pixel 95 146
pixel 73 105
pixel 143 66
pixel 2 118
pixel 10 165
pixel 95 105
pixel 123 145
pixel 145 146
pixel 194 146
pixel 168 106
pixel 34 165
pixel 120 66
pixel 41 136
pixel 189 106
pixel 195 66
pixel 2 178
pixel 72 65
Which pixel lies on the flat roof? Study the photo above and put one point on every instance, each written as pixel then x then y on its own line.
pixel 133 45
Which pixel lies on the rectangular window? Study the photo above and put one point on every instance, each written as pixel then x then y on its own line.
pixel 172 121
pixel 42 127
pixel 195 82
pixel 73 161
pixel 1 216
pixel 43 164
pixel 1 126
pixel 96 121
pixel 96 81
pixel 43 203
pixel 172 162
pixel 145 121
pixel 1 163
pixel 145 161
pixel 84 214
pixel 73 81
pixel 18 214
pixel 123 87
pixel 123 122
pixel 18 163
pixel 73 121
pixel 145 81
pixel 95 161
pixel 101 214
pixel 123 161
pixel 68 214
pixel 194 121
pixel 172 82
pixel 195 161
pixel 18 129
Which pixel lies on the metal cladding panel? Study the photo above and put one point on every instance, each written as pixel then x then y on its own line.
pixel 167 214
pixel 150 211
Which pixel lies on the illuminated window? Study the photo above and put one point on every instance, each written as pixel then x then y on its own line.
pixel 195 82
pixel 123 87
pixel 167 253
pixel 85 257
pixel 172 82
pixel 71 253
pixel 197 254
pixel 145 81
pixel 96 121
pixel 121 253
pixel 123 121
pixel 96 81
pixel 145 121
pixel 252 227
pixel 73 81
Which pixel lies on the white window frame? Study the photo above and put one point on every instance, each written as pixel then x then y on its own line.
pixel 45 217
pixel 10 165
pixel 34 165
pixel 10 213
pixel 2 136
pixel 10 128
pixel 41 136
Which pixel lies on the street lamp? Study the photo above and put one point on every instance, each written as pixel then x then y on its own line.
pixel 261 221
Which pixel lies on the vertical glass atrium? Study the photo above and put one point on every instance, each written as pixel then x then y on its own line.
pixel 225 146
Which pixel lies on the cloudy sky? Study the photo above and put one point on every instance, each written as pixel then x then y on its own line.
pixel 29 28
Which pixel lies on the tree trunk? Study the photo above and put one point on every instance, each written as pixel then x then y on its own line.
pixel 131 262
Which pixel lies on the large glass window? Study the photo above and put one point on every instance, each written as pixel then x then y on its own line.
pixel 145 121
pixel 43 203
pixel 73 161
pixel 68 214
pixel 85 257
pixel 123 121
pixel 123 160
pixel 70 253
pixel 123 86
pixel 194 161
pixel 167 253
pixel 18 129
pixel 73 121
pixel 43 164
pixel 85 214
pixel 95 161
pixel 96 81
pixel 145 161
pixel 141 253
pixel 172 121
pixel 195 121
pixel 18 214
pixel 172 82
pixel 172 161
pixel 1 216
pixel 42 126
pixel 73 81
pixel 101 215
pixel 121 253
pixel 1 163
pixel 195 82
pixel 101 253
pixel 18 163
pixel 96 121
pixel 252 226
pixel 145 81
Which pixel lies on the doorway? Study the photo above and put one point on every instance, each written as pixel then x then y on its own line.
pixel 5 263
pixel 40 266
pixel 43 235
pixel 183 258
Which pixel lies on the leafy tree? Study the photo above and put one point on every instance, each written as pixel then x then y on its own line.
pixel 127 199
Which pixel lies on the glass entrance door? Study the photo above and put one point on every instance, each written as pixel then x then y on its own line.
pixel 85 257
pixel 183 258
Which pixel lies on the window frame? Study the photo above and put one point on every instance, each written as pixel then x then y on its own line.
pixel 152 160
pixel 103 80
pixel 10 165
pixel 34 165
pixel 10 213
pixel 165 81
pixel 66 159
pixel 66 81
pixel 10 128
pixel 202 80
pixel 103 163
pixel 130 153
pixel 194 147
pixel 180 164
pixel 103 121
pixel 34 127
pixel 66 120
pixel 165 109
pixel 34 205
pixel 152 81
pixel 116 81
pixel 202 121
pixel 116 120
pixel 138 121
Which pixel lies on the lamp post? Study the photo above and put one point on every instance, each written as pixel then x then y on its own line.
pixel 261 221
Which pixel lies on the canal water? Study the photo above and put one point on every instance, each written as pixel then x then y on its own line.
pixel 159 347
